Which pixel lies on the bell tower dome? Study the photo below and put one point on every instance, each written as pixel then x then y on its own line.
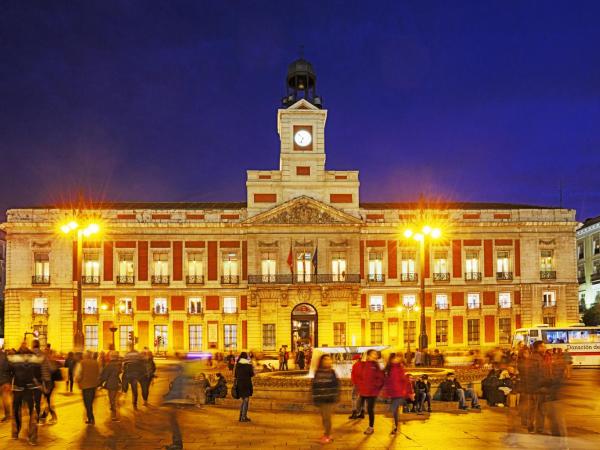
pixel 301 82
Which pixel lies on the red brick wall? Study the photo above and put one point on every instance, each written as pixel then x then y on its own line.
pixel 125 244
pixel 160 244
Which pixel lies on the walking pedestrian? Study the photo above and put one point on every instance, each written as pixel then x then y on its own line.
pixel 325 392
pixel 358 411
pixel 397 386
pixel 243 374
pixel 46 381
pixel 134 373
pixel 230 361
pixel 70 364
pixel 55 376
pixel 149 374
pixel 110 379
pixel 300 358
pixel 5 386
pixel 536 381
pixel 370 383
pixel 87 374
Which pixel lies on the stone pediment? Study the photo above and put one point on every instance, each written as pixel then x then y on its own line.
pixel 304 211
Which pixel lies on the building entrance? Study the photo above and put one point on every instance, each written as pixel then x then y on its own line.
pixel 304 326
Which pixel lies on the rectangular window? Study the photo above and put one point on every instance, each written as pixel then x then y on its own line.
pixel 473 300
pixel 161 337
pixel 42 333
pixel 550 321
pixel 504 330
pixel 441 332
pixel 473 331
pixel 230 336
pixel 40 305
pixel 546 260
pixel 338 266
pixel 41 267
pixel 195 338
pixel 375 266
pixel 441 301
pixel 268 336
pixel 91 265
pixel 126 267
pixel 339 333
pixel 125 306
pixel 303 266
pixel 410 327
pixel 160 264
pixel 229 305
pixel 195 305
pixel 504 300
pixel 268 266
pixel 472 262
pixel 195 265
pixel 407 263
pixel 548 299
pixel 376 302
pixel 91 337
pixel 440 262
pixel 90 305
pixel 124 337
pixel 230 264
pixel 580 250
pixel 409 301
pixel 160 305
pixel 376 333
pixel 503 261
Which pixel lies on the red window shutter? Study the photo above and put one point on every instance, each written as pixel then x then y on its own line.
pixel 108 261
pixel 143 260
pixel 518 321
pixel 503 242
pixel 243 303
pixel 457 329
pixel 392 300
pixel 472 242
pixel 194 244
pixel 517 297
pixel 489 298
pixel 363 300
pixel 177 303
pixel 177 261
pixel 517 258
pixel 212 273
pixel 490 328
pixel 428 299
pixel 488 254
pixel 160 244
pixel 244 260
pixel 392 259
pixel 458 299
pixel 229 244
pixel 340 198
pixel 212 302
pixel 142 303
pixel 456 259
pixel 125 244
pixel 244 334
pixel 362 260
pixel 178 334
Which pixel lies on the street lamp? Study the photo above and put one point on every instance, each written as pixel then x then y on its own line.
pixel 82 232
pixel 426 233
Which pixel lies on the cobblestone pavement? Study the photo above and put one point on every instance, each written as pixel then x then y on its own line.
pixel 218 428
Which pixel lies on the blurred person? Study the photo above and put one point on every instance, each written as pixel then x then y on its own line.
pixel 55 376
pixel 453 391
pixel 536 379
pixel 568 362
pixel 45 380
pixel 219 390
pixel 149 375
pixel 110 379
pixel 5 385
pixel 358 411
pixel 325 393
pixel 243 374
pixel 397 386
pixel 423 393
pixel 300 358
pixel 554 404
pixel 230 359
pixel 87 375
pixel 70 366
pixel 134 373
pixel 182 391
pixel 418 358
pixel 370 384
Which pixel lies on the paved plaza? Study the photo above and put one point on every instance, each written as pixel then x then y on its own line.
pixel 218 428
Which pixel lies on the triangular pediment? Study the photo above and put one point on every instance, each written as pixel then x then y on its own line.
pixel 304 211
pixel 303 104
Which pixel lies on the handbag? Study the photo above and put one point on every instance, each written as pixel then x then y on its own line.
pixel 234 390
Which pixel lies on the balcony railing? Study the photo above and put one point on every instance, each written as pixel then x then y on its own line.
pixel 376 308
pixel 595 277
pixel 230 310
pixel 125 312
pixel 338 278
pixel 40 279
pixel 39 311
pixel 472 276
pixel 195 309
pixel 230 279
pixel 547 274
pixel 194 279
pixel 408 277
pixel 376 278
pixel 90 279
pixel 549 305
pixel 125 279
pixel 504 276
pixel 320 278
pixel 160 279
pixel 441 276
pixel 442 307
pixel 160 310
pixel 90 310
pixel 473 306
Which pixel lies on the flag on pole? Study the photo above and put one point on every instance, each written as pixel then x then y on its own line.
pixel 315 260
pixel 290 259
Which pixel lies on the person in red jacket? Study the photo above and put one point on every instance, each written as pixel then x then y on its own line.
pixel 358 410
pixel 370 383
pixel 397 386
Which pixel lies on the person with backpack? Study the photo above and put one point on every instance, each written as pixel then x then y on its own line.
pixel 110 379
pixel 325 393
pixel 370 383
pixel 134 373
pixel 397 386
pixel 243 374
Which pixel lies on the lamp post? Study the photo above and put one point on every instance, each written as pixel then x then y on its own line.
pixel 113 328
pixel 73 227
pixel 423 237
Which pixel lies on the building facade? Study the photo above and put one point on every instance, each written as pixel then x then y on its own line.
pixel 302 260
pixel 2 280
pixel 588 261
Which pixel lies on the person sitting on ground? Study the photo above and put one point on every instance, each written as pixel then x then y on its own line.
pixel 219 390
pixel 423 393
pixel 410 405
pixel 452 391
pixel 489 387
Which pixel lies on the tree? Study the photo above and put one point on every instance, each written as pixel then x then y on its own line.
pixel 592 316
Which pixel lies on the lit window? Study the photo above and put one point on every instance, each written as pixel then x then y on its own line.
pixel 91 337
pixel 504 330
pixel 503 261
pixel 473 331
pixel 375 266
pixel 124 337
pixel 407 263
pixel 229 305
pixel 546 260
pixel 472 262
pixel 338 267
pixel 125 305
pixel 504 300
pixel 268 267
pixel 230 336
pixel 410 327
pixel 41 265
pixel 126 268
pixel 230 264
pixel 303 266
pixel 160 305
pixel 409 301
pixel 339 333
pixel 376 333
pixel 441 301
pixel 268 336
pixel 161 338
pixel 40 305
pixel 161 264
pixel 195 338
pixel 473 300
pixel 195 305
pixel 548 299
pixel 195 265
pixel 376 302
pixel 441 332
pixel 440 262
pixel 91 265
pixel 90 305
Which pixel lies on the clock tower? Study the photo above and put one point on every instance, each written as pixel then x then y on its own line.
pixel 301 128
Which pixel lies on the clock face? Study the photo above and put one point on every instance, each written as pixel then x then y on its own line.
pixel 302 138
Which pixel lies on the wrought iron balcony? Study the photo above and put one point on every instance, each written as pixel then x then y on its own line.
pixel 442 307
pixel 90 310
pixel 195 309
pixel 326 278
pixel 504 276
pixel 441 276
pixel 472 276
pixel 406 277
pixel 125 279
pixel 230 310
pixel 320 278
pixel 160 310
pixel 270 279
pixel 160 279
pixel 595 277
pixel 376 308
pixel 376 278
pixel 549 305
pixel 40 279
pixel 125 312
pixel 39 311
pixel 547 274
pixel 90 279
pixel 473 306
pixel 230 279
pixel 194 279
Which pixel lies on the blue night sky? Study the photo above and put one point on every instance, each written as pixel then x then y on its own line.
pixel 174 100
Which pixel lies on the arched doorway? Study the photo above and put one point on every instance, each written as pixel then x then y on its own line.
pixel 305 329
